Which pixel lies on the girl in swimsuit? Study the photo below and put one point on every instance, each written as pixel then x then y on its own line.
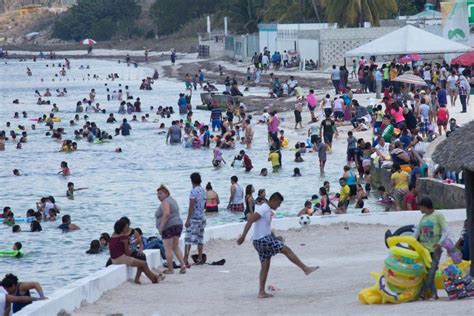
pixel 212 199
pixel 249 201
pixel 218 159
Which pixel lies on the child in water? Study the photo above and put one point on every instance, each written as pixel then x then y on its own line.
pixel 17 247
pixel 70 190
pixel 64 169
pixel 386 200
pixel 307 210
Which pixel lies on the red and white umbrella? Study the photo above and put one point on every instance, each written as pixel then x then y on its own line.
pixel 411 79
pixel 88 41
pixel 410 57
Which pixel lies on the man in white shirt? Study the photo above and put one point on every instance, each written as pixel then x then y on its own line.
pixel 427 75
pixel 452 87
pixel 335 78
pixel 266 244
pixel 383 149
pixel 265 62
pixel 285 59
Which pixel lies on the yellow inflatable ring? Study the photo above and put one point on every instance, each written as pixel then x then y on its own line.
pixel 404 252
pixel 412 242
pixel 401 281
pixel 404 269
pixel 391 296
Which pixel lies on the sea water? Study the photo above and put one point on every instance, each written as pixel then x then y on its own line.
pixel 118 184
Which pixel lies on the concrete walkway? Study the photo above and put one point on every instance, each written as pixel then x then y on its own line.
pixel 345 256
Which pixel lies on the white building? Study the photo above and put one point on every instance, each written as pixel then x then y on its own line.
pixel 304 38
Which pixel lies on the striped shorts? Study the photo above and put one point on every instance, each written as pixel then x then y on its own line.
pixel 267 247
pixel 195 232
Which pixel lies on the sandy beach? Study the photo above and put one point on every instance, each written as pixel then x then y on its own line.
pixel 345 256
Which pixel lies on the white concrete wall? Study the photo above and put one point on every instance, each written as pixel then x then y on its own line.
pixel 268 39
pixel 91 288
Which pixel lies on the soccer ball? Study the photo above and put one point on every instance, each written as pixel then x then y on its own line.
pixel 305 220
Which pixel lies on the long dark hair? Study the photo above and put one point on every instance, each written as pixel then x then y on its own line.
pixel 248 190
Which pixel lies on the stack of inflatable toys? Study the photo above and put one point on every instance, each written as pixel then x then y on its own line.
pixel 404 272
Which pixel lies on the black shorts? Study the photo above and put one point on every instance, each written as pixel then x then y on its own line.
pixel 353 188
pixel 212 209
pixel 327 138
pixel 351 155
pixel 298 118
pixel 367 187
pixel 327 112
pixel 314 138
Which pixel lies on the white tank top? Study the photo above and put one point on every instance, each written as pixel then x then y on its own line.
pixel 3 300
pixel 239 195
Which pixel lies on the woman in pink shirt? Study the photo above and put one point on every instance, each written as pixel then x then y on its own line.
pixel 312 103
pixel 273 126
pixel 397 113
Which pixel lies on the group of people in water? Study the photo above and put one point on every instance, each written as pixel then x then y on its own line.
pixel 231 127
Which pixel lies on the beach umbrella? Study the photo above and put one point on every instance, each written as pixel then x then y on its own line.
pixel 88 41
pixel 466 59
pixel 410 58
pixel 411 79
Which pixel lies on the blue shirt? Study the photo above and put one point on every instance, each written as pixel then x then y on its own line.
pixel 198 194
pixel 414 172
pixel 378 76
pixel 442 98
pixel 126 129
pixel 216 114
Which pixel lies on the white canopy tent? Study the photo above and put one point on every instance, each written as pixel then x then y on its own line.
pixel 408 40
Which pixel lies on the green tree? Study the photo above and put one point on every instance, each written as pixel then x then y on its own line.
pixel 100 20
pixel 355 12
pixel 244 15
pixel 170 15
pixel 410 7
pixel 292 11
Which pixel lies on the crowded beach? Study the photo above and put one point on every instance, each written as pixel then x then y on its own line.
pixel 110 159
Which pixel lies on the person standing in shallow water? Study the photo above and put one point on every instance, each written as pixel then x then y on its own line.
pixel 196 220
pixel 265 242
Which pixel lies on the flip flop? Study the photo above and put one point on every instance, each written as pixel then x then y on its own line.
pixel 182 270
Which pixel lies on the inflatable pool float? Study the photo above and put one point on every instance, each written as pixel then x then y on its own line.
pixel 21 219
pixel 11 253
pixel 55 119
pixel 404 271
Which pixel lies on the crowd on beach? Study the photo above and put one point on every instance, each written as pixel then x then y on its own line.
pixel 399 125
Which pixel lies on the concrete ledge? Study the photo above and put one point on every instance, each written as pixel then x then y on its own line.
pixel 91 288
pixel 443 195
pixel 88 289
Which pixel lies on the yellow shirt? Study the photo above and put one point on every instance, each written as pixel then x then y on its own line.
pixel 344 193
pixel 401 180
pixel 393 73
pixel 273 157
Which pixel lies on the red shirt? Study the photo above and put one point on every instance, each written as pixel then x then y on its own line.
pixel 116 246
pixel 410 198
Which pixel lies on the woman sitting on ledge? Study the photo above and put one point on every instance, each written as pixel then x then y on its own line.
pixel 120 253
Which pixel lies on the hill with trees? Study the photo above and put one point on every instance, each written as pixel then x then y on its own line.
pixel 124 19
